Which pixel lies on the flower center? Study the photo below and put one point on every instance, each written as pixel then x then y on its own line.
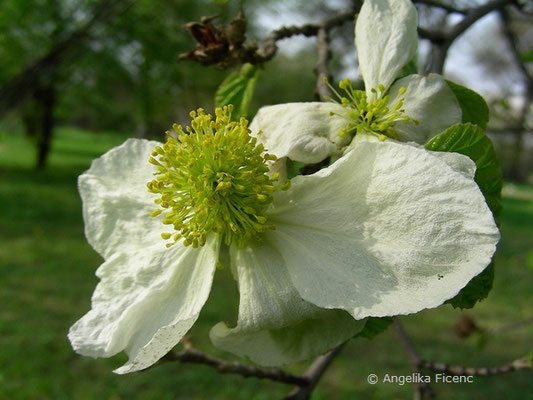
pixel 212 177
pixel 377 117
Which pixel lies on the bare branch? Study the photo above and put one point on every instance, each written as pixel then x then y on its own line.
pixel 422 389
pixel 322 46
pixel 269 47
pixel 477 371
pixel 314 374
pixel 191 355
pixel 471 17
pixel 412 354
pixel 434 36
pixel 418 363
pixel 437 4
pixel 305 383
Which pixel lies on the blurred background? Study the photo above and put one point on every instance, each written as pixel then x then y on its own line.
pixel 78 77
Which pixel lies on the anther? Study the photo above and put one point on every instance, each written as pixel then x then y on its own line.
pixel 213 177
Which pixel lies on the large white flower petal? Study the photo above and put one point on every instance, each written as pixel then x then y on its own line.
pixel 429 100
pixel 116 202
pixel 145 302
pixel 275 325
pixel 304 132
pixel 388 229
pixel 457 162
pixel 386 39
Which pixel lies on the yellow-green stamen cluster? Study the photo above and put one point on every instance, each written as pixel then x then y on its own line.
pixel 212 177
pixel 371 117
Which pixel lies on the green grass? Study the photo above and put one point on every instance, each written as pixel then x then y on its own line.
pixel 47 277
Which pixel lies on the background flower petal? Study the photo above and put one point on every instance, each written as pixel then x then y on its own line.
pixel 386 39
pixel 429 100
pixel 456 161
pixel 276 326
pixel 388 229
pixel 116 202
pixel 145 302
pixel 304 132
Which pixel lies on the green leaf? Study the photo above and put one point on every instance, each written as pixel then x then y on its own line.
pixel 473 106
pixel 374 326
pixel 294 168
pixel 238 89
pixel 527 56
pixel 471 141
pixel 476 290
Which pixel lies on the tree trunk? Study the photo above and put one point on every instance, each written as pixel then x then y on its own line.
pixel 517 172
pixel 47 99
pixel 21 86
pixel 145 102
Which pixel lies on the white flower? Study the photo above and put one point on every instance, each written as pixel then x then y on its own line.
pixel 414 108
pixel 388 229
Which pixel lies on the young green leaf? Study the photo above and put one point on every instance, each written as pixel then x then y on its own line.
pixel 238 89
pixel 470 140
pixel 374 326
pixel 473 106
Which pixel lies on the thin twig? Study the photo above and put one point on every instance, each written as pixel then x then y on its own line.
pixel 511 326
pixel 476 371
pixel 191 355
pixel 421 388
pixel 322 46
pixel 313 375
pixel 412 354
pixel 418 363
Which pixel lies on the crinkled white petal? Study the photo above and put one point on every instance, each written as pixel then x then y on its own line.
pixel 116 202
pixel 386 39
pixel 457 162
pixel 145 302
pixel 278 167
pixel 304 132
pixel 429 100
pixel 276 326
pixel 388 229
